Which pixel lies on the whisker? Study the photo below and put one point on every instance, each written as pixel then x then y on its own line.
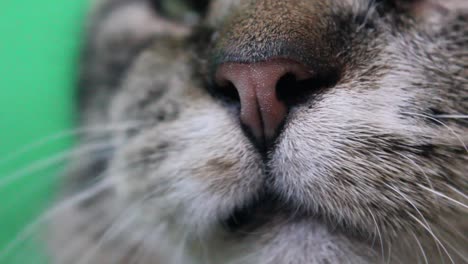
pixel 70 250
pixel 36 189
pixel 120 224
pixel 379 235
pixel 100 185
pixel 449 225
pixel 107 173
pixel 51 161
pixel 443 124
pixel 429 182
pixel 451 116
pixel 204 250
pixel 458 192
pixel 443 196
pixel 420 247
pixel 65 134
pixel 29 229
pixel 454 249
pixel 389 253
pixel 181 251
pixel 428 229
pixel 139 253
pixel 26 193
pixel 371 9
pixel 427 226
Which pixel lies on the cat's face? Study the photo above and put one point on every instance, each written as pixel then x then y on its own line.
pixel 294 131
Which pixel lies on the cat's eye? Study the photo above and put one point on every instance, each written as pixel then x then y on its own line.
pixel 187 11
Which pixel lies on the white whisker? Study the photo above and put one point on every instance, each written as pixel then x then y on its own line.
pixel 139 253
pixel 429 182
pixel 121 222
pixel 29 230
pixel 389 253
pixel 448 224
pixel 27 193
pixel 110 180
pixel 428 229
pixel 204 249
pixel 427 226
pixel 458 192
pixel 180 253
pixel 454 249
pixel 443 124
pixel 68 133
pixel 444 196
pixel 420 247
pixel 51 161
pixel 379 235
pixel 451 116
pixel 116 228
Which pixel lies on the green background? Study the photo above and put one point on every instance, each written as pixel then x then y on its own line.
pixel 39 47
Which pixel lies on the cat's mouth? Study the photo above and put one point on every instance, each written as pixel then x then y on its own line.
pixel 269 208
pixel 260 212
pixel 254 214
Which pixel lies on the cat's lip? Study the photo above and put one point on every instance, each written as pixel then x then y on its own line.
pixel 269 208
pixel 253 214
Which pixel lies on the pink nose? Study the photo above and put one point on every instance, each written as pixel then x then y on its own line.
pixel 262 111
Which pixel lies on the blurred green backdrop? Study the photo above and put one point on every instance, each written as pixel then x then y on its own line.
pixel 39 46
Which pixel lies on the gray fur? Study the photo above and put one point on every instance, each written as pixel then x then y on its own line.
pixel 371 170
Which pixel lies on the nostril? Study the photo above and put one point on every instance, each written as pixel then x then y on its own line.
pixel 293 91
pixel 264 91
pixel 289 90
pixel 226 91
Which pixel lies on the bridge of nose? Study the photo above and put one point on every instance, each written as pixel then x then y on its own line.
pixel 263 29
pixel 264 41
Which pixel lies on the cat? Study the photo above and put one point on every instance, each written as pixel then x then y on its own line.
pixel 266 131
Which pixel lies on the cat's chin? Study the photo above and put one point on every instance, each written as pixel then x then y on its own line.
pixel 267 235
pixel 271 230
